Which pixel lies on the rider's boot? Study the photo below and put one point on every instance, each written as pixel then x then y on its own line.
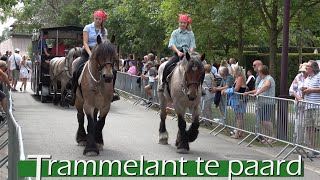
pixel 72 95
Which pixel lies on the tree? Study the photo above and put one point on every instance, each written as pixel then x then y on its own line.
pixel 270 12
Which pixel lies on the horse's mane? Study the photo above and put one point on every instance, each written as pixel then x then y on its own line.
pixel 195 61
pixel 104 49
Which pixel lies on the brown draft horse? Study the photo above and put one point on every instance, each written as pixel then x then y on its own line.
pixel 94 95
pixel 184 91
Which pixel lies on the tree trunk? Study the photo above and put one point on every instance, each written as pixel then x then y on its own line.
pixel 273 51
pixel 240 34
pixel 274 32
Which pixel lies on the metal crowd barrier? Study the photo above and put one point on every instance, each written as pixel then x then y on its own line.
pixel 15 141
pixel 264 119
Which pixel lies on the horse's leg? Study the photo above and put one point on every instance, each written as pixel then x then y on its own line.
pixel 193 131
pixel 100 124
pixel 81 136
pixel 63 102
pixel 182 138
pixel 163 134
pixel 55 87
pixel 91 148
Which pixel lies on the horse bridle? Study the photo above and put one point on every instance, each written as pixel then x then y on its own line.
pixel 189 83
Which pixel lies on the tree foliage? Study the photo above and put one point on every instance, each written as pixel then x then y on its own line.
pixel 221 27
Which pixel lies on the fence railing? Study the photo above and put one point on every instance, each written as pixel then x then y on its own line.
pixel 265 119
pixel 15 141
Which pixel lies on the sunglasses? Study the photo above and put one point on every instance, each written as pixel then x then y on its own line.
pixel 254 65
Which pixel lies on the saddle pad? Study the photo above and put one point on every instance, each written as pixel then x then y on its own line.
pixel 171 69
pixel 80 77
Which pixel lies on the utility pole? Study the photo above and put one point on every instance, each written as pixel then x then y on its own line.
pixel 282 113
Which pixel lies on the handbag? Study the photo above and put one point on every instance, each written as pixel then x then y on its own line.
pixel 17 67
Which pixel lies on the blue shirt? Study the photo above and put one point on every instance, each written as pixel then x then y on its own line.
pixel 41 45
pixel 92 35
pixel 183 40
pixel 214 70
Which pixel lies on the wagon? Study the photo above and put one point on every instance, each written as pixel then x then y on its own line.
pixel 40 78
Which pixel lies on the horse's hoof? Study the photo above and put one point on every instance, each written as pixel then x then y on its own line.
pixel 91 153
pixel 82 143
pixel 163 141
pixel 100 146
pixel 182 151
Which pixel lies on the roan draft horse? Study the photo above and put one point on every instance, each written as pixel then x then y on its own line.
pixel 61 71
pixel 94 95
pixel 184 91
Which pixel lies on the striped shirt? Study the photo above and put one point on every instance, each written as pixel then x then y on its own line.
pixel 312 82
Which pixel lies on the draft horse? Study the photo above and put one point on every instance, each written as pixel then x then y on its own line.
pixel 94 95
pixel 61 71
pixel 183 89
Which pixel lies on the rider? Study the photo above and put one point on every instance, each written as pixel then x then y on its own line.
pixel 90 33
pixel 181 41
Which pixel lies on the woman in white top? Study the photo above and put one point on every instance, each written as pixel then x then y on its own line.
pixel 24 72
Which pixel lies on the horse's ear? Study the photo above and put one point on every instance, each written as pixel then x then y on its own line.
pixel 188 56
pixel 203 57
pixel 113 39
pixel 99 40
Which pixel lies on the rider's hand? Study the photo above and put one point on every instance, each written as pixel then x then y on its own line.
pixel 47 61
pixel 180 54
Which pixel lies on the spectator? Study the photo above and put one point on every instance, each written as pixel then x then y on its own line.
pixel 15 60
pixel 151 74
pixel 151 58
pixel 227 82
pixel 61 48
pixel 230 63
pixel 256 64
pixel 139 67
pixel 250 81
pixel 216 65
pixel 266 108
pixel 214 70
pixel 4 78
pixel 296 91
pixel 5 56
pixel 24 72
pixel 132 68
pixel 208 83
pixel 297 84
pixel 224 63
pixel 311 93
pixel 236 101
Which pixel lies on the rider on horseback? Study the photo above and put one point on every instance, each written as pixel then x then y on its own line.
pixel 181 41
pixel 90 33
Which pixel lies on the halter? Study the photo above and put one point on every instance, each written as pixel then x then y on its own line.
pixel 100 67
pixel 186 83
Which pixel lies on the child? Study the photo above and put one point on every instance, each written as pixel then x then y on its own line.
pixel 181 41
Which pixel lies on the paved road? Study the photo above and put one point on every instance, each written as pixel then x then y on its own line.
pixel 130 131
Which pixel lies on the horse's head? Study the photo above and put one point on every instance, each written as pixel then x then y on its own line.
pixel 105 55
pixel 194 72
